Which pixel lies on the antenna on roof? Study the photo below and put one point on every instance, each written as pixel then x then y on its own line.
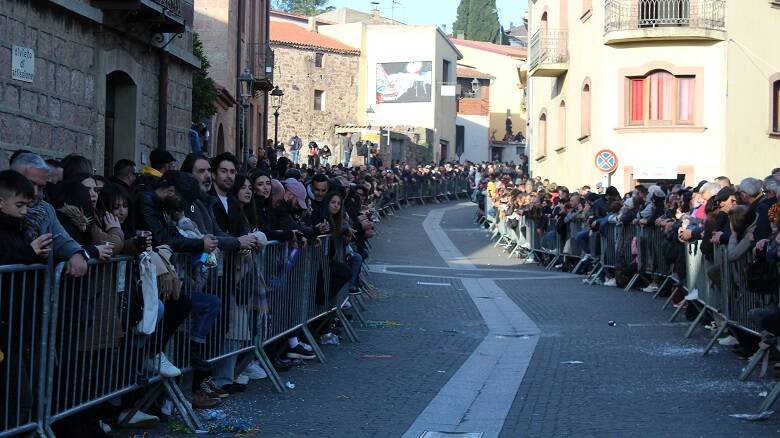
pixel 392 9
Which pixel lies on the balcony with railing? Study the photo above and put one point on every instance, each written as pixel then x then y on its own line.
pixel 160 15
pixel 261 66
pixel 549 53
pixel 638 20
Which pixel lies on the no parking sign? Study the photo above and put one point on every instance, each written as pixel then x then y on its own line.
pixel 606 161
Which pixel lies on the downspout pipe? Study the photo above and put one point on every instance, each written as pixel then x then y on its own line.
pixel 162 96
pixel 239 109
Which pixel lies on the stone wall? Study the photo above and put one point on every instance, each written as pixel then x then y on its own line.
pixel 63 110
pixel 296 75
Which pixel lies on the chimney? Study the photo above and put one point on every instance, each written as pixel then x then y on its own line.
pixel 375 15
pixel 312 27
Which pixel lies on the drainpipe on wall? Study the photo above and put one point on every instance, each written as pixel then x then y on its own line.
pixel 240 107
pixel 162 95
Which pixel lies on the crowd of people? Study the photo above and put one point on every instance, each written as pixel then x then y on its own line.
pixel 63 211
pixel 741 219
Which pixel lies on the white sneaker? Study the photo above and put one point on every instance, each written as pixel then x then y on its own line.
pixel 306 346
pixel 139 420
pixel 728 341
pixel 254 371
pixel 651 289
pixel 611 282
pixel 242 379
pixel 161 365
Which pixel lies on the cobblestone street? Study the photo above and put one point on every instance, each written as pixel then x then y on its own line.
pixel 585 377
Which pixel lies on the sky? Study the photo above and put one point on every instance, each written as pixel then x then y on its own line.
pixel 436 12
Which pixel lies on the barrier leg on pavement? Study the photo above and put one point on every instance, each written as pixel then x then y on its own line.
pixel 770 398
pixel 696 322
pixel 755 360
pixel 269 369
pixel 351 333
pixel 718 334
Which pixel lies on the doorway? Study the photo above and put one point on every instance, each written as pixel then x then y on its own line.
pixel 120 127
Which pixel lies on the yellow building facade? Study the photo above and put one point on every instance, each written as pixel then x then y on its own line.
pixel 678 89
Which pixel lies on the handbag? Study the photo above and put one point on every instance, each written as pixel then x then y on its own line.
pixel 762 276
pixel 168 281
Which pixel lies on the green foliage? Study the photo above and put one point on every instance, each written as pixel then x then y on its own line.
pixel 204 90
pixel 461 23
pixel 478 21
pixel 303 7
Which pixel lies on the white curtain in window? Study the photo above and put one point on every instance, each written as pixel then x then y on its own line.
pixel 661 95
pixel 685 99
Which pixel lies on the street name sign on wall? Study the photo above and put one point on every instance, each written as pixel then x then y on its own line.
pixel 22 64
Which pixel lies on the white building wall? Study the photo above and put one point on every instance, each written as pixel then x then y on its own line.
pixel 476 134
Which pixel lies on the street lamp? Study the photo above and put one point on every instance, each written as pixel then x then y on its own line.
pixel 245 81
pixel 369 115
pixel 277 95
pixel 475 86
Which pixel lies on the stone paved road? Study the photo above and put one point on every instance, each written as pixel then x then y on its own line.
pixel 640 378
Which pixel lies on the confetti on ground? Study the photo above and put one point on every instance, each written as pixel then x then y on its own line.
pixel 382 324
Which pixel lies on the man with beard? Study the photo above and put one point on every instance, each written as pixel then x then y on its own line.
pixel 224 205
pixel 317 191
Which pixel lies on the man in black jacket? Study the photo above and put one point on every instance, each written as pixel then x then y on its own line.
pixel 224 205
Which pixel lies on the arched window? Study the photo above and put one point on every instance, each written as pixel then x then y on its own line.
pixel 776 107
pixel 542 142
pixel 585 111
pixel 562 125
pixel 660 98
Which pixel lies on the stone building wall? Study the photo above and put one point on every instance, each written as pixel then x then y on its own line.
pixel 63 110
pixel 296 75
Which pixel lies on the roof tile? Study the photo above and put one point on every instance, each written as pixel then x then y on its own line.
pixel 297 36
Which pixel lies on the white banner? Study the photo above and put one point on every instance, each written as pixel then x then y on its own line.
pixel 655 171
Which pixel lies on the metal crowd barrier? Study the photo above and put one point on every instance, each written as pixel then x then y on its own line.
pixel 25 293
pixel 84 349
pixel 720 285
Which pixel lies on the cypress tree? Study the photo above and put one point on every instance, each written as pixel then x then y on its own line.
pixel 461 24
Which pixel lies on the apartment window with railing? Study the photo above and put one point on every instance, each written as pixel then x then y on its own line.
pixel 660 98
pixel 776 107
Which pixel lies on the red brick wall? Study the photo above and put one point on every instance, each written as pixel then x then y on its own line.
pixel 476 107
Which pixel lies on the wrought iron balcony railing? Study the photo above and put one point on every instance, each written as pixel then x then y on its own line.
pixel 549 47
pixel 174 6
pixel 648 14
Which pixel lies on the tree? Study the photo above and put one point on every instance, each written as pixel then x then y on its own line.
pixel 478 21
pixel 204 90
pixel 303 7
pixel 462 22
